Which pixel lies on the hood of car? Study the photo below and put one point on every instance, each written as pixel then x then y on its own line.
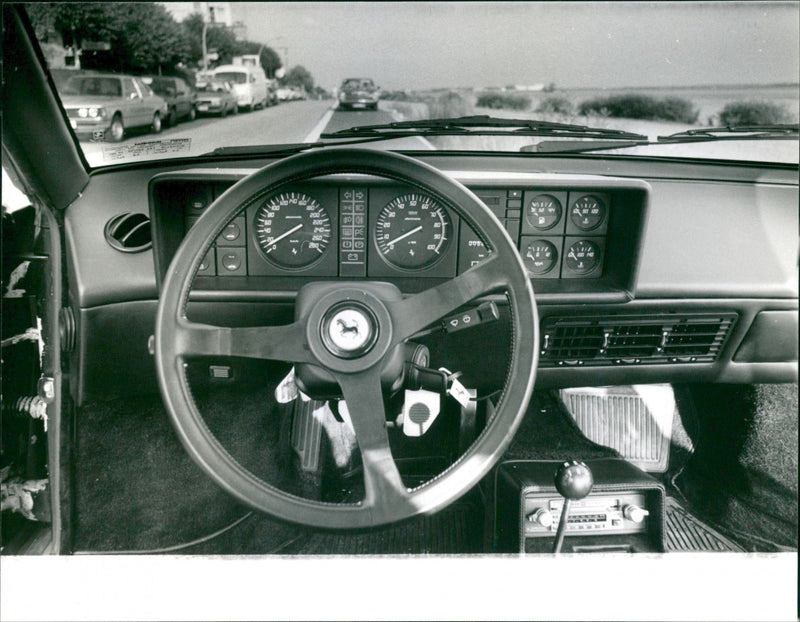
pixel 83 101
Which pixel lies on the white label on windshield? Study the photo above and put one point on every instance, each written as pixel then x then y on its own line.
pixel 150 149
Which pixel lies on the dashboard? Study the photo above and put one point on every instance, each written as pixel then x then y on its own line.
pixel 360 227
pixel 643 271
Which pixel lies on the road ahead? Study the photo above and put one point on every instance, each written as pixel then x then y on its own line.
pixel 290 122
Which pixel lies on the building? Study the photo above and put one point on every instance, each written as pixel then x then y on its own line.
pixel 216 12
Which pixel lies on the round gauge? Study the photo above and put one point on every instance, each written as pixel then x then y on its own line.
pixel 540 256
pixel 582 257
pixel 412 232
pixel 588 212
pixel 543 212
pixel 293 230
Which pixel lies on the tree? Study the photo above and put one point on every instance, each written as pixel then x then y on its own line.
pixel 224 42
pixel 143 37
pixel 299 76
pixel 268 58
pixel 218 38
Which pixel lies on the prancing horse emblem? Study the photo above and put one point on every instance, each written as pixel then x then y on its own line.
pixel 350 330
pixel 345 329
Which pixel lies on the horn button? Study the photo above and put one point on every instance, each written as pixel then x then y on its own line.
pixel 349 330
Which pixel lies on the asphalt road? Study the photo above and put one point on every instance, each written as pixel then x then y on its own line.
pixel 289 122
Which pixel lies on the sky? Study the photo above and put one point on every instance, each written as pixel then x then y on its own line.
pixel 594 44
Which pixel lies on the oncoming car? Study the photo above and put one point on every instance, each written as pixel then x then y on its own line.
pixel 519 342
pixel 103 106
pixel 359 93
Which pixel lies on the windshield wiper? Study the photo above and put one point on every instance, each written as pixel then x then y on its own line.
pixel 282 150
pixel 734 132
pixel 481 125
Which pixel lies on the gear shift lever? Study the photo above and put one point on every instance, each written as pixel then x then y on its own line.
pixel 573 481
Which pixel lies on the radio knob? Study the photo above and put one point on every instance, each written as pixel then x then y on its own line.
pixel 542 517
pixel 635 513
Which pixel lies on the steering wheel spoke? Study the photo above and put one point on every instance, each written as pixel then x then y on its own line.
pixel 277 343
pixel 386 494
pixel 412 314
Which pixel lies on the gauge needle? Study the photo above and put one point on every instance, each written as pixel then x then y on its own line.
pixel 289 232
pixel 405 235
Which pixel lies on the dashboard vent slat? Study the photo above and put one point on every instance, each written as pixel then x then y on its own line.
pixel 628 339
pixel 129 232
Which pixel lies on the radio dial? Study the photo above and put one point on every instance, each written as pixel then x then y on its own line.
pixel 542 517
pixel 635 513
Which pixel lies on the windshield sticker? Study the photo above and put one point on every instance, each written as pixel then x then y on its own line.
pixel 149 149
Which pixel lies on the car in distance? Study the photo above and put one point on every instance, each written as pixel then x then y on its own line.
pixel 359 93
pixel 103 106
pixel 216 97
pixel 180 97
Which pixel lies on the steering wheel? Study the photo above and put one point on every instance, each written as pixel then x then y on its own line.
pixel 387 319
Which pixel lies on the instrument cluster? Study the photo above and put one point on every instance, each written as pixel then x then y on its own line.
pixel 325 229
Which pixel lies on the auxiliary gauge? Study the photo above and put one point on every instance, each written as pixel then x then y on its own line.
pixel 540 256
pixel 413 231
pixel 588 212
pixel 582 257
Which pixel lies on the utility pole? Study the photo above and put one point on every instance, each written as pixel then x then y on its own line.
pixel 205 51
pixel 205 32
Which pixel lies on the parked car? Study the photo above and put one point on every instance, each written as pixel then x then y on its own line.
pixel 104 106
pixel 216 98
pixel 272 93
pixel 180 97
pixel 359 93
pixel 249 84
pixel 284 94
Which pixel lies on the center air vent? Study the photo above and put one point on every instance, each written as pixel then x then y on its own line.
pixel 129 233
pixel 626 340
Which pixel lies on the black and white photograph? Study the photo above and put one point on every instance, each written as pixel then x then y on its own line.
pixel 468 310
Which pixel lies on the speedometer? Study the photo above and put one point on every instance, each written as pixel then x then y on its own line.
pixel 293 230
pixel 413 231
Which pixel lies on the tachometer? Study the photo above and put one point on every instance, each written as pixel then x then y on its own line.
pixel 413 231
pixel 293 230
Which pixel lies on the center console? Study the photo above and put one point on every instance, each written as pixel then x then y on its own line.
pixel 624 512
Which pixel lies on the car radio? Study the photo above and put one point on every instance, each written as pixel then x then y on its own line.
pixel 595 515
pixel 624 511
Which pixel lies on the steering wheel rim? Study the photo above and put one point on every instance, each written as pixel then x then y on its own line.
pixel 387 500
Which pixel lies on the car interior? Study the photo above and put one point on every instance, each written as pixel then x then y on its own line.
pixel 570 355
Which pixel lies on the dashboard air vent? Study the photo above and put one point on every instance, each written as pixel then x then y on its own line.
pixel 129 232
pixel 627 339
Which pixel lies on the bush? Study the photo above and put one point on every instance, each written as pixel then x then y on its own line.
pixel 641 107
pixel 449 104
pixel 496 100
pixel 556 105
pixel 753 113
pixel 398 96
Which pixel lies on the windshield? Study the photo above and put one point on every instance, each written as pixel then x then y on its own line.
pixel 93 86
pixel 235 77
pixel 212 87
pixel 654 69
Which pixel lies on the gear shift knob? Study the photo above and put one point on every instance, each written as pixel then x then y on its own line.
pixel 573 480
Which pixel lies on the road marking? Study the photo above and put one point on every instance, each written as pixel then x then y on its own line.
pixel 428 145
pixel 319 127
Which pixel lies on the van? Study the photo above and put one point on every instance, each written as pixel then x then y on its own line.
pixel 249 84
